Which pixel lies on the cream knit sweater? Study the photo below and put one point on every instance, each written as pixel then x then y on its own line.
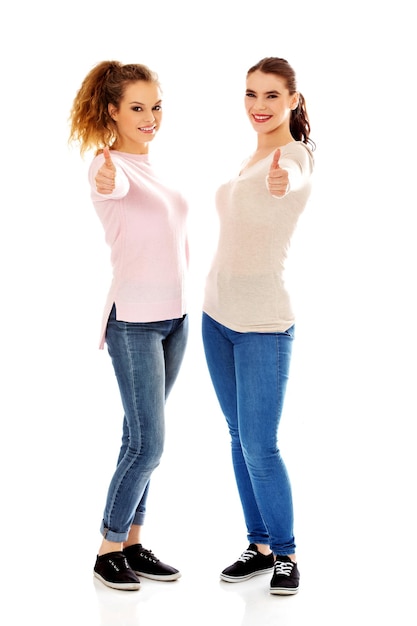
pixel 245 288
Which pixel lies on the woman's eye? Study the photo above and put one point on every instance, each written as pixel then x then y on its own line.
pixel 137 108
pixel 157 108
pixel 250 95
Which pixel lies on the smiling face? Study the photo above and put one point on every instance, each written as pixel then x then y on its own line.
pixel 269 104
pixel 138 117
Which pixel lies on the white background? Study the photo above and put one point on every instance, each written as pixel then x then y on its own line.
pixel 348 427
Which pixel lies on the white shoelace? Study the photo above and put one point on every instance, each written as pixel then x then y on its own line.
pixel 246 555
pixel 283 568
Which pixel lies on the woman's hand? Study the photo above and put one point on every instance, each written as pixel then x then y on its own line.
pixel 277 179
pixel 106 175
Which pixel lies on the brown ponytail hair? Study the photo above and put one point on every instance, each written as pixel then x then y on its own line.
pixel 299 122
pixel 91 125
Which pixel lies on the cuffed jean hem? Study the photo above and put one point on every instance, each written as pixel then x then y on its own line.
pixel 139 519
pixel 110 535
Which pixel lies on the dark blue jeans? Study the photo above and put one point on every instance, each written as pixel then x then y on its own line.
pixel 249 372
pixel 146 358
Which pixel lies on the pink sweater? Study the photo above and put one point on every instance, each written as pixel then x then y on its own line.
pixel 145 226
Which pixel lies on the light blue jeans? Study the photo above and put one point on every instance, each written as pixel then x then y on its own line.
pixel 146 358
pixel 249 372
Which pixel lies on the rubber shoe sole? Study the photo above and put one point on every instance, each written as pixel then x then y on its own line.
pixel 283 591
pixel 239 579
pixel 160 577
pixel 121 586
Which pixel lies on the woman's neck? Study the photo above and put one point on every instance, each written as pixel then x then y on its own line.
pixel 131 148
pixel 268 143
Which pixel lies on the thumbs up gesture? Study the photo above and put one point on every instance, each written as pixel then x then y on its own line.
pixel 277 179
pixel 106 175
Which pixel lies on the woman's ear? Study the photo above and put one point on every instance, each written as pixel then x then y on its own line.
pixel 295 101
pixel 112 111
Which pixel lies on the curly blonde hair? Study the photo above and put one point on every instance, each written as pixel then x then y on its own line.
pixel 91 125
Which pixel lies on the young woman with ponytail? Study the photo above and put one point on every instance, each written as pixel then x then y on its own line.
pixel 116 114
pixel 248 321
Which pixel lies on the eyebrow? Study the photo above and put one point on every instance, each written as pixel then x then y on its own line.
pixel 267 93
pixel 142 103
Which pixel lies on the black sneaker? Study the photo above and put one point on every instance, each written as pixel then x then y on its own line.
pixel 286 577
pixel 250 563
pixel 114 571
pixel 146 564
